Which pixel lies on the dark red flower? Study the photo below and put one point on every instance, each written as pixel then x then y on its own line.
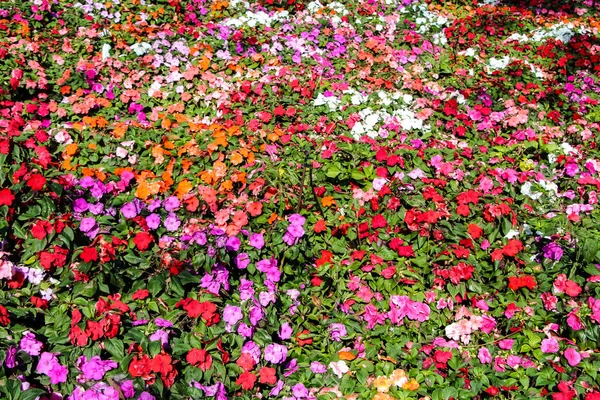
pixel 4 318
pixel 140 367
pixel 378 222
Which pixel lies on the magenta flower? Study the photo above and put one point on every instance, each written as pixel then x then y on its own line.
pixel 484 356
pixel 30 345
pixel 549 345
pixel 160 335
pixel 275 353
pixel 130 210
pixel 172 203
pixel 233 244
pixel 128 389
pixel 285 332
pixel 172 223
pixel 295 231
pixel 232 315
pixel 242 260
pixel 80 205
pixel 153 221
pixel 253 349
pixel 257 241
pixel 318 368
pixel 573 357
pixel 506 344
pixel 337 331
pixel 95 368
pixel 87 224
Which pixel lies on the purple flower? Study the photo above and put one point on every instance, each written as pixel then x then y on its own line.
pixel 80 205
pixel 128 389
pixel 153 221
pixel 154 205
pixel 163 323
pixel 253 349
pixel 87 224
pixel 242 260
pixel 318 368
pixel 232 315
pixel 95 368
pixel 172 203
pixel 269 267
pixel 277 388
pixel 257 241
pixel 233 244
pixel 275 353
pixel 161 335
pixel 295 230
pixel 146 396
pixel 299 391
pixel 97 209
pixel 245 330
pixel 246 290
pixel 289 239
pixel 30 345
pixel 130 210
pixel 337 331
pixel 296 219
pixel 11 357
pixel 285 332
pixel 549 345
pixel 172 223
pixel 552 251
pixel 255 315
pixel 291 367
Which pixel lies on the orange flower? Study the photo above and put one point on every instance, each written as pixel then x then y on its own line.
pixel 382 384
pixel 411 385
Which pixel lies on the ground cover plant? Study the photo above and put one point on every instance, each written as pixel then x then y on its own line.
pixel 376 199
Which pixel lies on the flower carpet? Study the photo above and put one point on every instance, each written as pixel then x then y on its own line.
pixel 291 199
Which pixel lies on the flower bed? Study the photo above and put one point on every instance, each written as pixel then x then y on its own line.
pixel 299 200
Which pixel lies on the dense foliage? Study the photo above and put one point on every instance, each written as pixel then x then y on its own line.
pixel 372 200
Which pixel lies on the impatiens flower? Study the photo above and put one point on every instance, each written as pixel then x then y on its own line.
pixel 130 210
pixel 199 358
pixel 153 221
pixel 549 345
pixel 231 315
pixel 246 380
pixel 275 353
pixel 95 368
pixel 299 391
pixel 337 331
pixel 30 345
pixel 6 197
pixel 573 357
pixel 36 182
pixel 268 376
pixel 257 241
pixel 552 251
pixel 317 367
pixel 339 368
pixel 285 332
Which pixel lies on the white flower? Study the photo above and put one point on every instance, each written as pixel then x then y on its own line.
pixel 140 48
pixel 512 233
pixel 105 51
pixel 339 368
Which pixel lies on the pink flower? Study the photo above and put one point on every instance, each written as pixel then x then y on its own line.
pixel 574 322
pixel 506 344
pixel 275 353
pixel 30 345
pixel 549 345
pixel 573 357
pixel 484 356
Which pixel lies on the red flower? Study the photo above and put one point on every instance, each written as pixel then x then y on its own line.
pixel 140 294
pixel 162 363
pixel 320 226
pixel 246 362
pixel 470 196
pixel 513 283
pixel 4 319
pixel 406 251
pixel 39 302
pixel 475 231
pixel 378 222
pixel 492 391
pixel 246 380
pixel 89 254
pixel 94 329
pixel 463 210
pixel 110 325
pixel 6 197
pixel 140 367
pixel 572 289
pixel 142 240
pixel 301 342
pixel 36 182
pixel 199 358
pixel 78 337
pixel 512 248
pixel 268 376
pixel 40 229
